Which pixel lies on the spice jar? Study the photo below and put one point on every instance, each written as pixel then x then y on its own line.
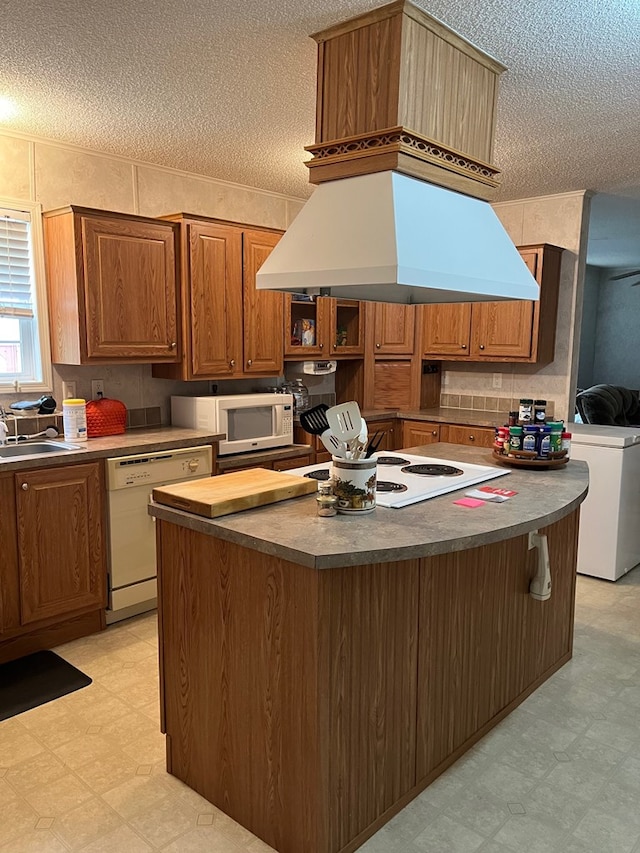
pixel 530 438
pixel 515 438
pixel 555 444
pixel 326 500
pixel 513 418
pixel 539 411
pixel 501 443
pixel 566 442
pixel 525 411
pixel 544 440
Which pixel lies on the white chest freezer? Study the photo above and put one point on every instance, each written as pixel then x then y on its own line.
pixel 609 540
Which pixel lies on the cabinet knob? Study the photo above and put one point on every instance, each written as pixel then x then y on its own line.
pixel 472 438
pixel 25 487
pixel 481 346
pixel 434 432
pixel 377 346
pixel 173 345
pixel 463 346
pixel 232 363
pixel 321 346
pixel 249 362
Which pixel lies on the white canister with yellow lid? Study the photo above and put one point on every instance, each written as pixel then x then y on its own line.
pixel 74 419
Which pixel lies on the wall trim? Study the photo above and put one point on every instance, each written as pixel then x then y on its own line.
pixel 570 194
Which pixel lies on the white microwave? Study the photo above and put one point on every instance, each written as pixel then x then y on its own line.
pixel 249 421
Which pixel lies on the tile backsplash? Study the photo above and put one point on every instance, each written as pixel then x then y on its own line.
pixel 487 404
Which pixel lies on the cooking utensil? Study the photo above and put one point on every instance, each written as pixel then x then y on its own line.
pixel 374 444
pixel 333 444
pixel 345 421
pixel 359 444
pixel 314 420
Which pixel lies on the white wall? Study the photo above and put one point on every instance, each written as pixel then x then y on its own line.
pixel 588 328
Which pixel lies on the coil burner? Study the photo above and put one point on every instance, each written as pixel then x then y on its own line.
pixel 387 486
pixel 320 474
pixel 432 470
pixel 391 460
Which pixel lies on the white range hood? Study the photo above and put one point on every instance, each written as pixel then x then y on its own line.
pixel 388 237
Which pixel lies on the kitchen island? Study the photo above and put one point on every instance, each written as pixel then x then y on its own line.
pixel 318 673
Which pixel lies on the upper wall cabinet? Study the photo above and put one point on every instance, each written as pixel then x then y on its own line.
pixel 323 328
pixel 393 328
pixel 229 328
pixel 513 330
pixel 111 281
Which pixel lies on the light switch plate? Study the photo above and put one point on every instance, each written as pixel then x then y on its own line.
pixel 68 389
pixel 497 380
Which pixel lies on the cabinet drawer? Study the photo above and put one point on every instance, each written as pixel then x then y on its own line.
pixel 295 462
pixel 479 436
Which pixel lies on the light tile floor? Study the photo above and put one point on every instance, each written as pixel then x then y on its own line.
pixel 559 775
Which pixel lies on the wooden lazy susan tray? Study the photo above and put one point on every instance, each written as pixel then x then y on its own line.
pixel 523 459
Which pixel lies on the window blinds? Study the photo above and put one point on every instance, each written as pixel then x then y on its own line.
pixel 16 289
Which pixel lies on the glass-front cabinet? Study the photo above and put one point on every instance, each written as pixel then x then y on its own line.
pixel 322 327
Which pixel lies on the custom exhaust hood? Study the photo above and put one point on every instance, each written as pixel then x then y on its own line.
pixel 404 138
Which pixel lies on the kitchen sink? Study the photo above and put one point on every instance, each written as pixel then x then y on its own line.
pixel 25 449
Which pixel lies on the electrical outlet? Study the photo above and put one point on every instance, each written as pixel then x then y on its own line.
pixel 97 388
pixel 497 380
pixel 68 389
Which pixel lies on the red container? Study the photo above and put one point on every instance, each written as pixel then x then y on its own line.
pixel 105 417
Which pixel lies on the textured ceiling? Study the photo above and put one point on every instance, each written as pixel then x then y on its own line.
pixel 227 89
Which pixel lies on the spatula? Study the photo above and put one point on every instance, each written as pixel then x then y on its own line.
pixel 314 420
pixel 345 421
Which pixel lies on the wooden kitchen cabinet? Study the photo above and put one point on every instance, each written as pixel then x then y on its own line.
pixel 53 574
pixel 471 435
pixel 391 434
pixel 228 327
pixel 338 328
pixel 512 330
pixel 112 287
pixel 416 433
pixel 394 328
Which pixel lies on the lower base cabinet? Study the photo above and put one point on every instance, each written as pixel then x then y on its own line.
pixel 416 433
pixel 53 573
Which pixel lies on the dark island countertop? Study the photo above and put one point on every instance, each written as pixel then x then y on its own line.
pixel 292 530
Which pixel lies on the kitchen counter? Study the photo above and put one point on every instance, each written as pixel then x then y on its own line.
pixel 311 706
pixel 441 414
pixel 292 530
pixel 130 442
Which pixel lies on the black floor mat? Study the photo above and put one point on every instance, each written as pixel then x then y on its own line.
pixel 35 679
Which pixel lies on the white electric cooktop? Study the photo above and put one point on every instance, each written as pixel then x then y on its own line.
pixel 404 479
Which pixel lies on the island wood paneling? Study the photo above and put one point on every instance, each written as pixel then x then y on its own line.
pixel 311 706
pixel 289 694
pixel 367 664
pixel 495 641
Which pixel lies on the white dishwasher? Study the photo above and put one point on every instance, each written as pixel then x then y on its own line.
pixel 132 536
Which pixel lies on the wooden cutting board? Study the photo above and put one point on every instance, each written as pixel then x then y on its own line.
pixel 234 492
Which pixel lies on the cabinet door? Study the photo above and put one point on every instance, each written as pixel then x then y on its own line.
pixel 416 433
pixel 347 327
pixel 263 309
pixel 479 436
pixel 394 328
pixel 502 328
pixel 9 577
pixel 306 327
pixel 296 462
pixel 389 430
pixel 215 299
pixel 446 329
pixel 60 541
pixel 129 289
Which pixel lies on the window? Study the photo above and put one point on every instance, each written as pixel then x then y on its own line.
pixel 24 342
